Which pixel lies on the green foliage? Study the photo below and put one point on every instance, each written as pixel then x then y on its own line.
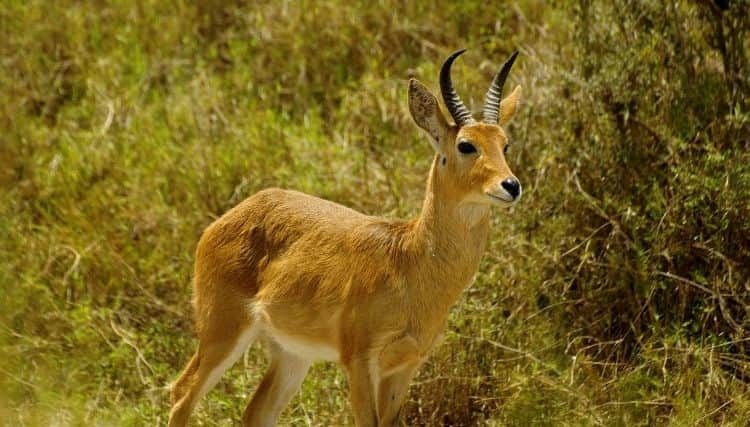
pixel 615 293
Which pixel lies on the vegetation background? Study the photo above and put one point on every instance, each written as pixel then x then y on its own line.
pixel 616 293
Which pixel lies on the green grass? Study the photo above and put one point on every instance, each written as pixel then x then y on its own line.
pixel 615 293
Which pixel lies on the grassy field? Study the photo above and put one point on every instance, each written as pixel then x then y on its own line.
pixel 617 292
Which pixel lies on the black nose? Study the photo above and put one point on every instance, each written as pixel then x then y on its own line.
pixel 512 186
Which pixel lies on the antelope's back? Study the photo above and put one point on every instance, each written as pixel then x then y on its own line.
pixel 279 226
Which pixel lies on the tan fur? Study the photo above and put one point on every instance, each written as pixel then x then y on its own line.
pixel 310 275
pixel 509 105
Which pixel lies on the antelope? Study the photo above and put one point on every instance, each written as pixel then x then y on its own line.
pixel 314 280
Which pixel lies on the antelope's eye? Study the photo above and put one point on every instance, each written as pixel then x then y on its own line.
pixel 505 149
pixel 466 148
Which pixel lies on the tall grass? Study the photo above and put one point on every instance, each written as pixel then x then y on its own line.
pixel 615 293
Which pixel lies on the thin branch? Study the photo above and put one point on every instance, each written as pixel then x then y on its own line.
pixel 140 358
pixel 698 421
pixel 687 282
pixel 601 212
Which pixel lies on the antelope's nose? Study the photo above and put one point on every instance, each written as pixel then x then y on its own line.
pixel 512 186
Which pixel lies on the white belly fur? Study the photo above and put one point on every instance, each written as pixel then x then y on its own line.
pixel 304 349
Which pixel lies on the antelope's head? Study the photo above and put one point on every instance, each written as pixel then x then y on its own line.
pixel 471 155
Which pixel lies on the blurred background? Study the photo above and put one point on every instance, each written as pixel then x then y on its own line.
pixel 617 292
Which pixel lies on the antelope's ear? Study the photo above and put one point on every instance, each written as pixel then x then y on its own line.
pixel 509 106
pixel 426 113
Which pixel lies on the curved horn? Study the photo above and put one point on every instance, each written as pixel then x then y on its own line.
pixel 458 110
pixel 494 94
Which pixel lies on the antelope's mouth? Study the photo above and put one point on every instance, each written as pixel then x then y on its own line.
pixel 502 199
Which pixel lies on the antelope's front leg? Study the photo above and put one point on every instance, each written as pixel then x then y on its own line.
pixel 392 393
pixel 361 392
pixel 397 364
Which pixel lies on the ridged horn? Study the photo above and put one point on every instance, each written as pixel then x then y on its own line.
pixel 461 115
pixel 495 93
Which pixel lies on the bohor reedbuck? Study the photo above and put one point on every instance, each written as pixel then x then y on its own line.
pixel 314 280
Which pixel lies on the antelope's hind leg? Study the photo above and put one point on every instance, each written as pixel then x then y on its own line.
pixel 219 348
pixel 280 383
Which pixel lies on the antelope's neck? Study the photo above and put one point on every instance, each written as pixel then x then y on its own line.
pixel 454 236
